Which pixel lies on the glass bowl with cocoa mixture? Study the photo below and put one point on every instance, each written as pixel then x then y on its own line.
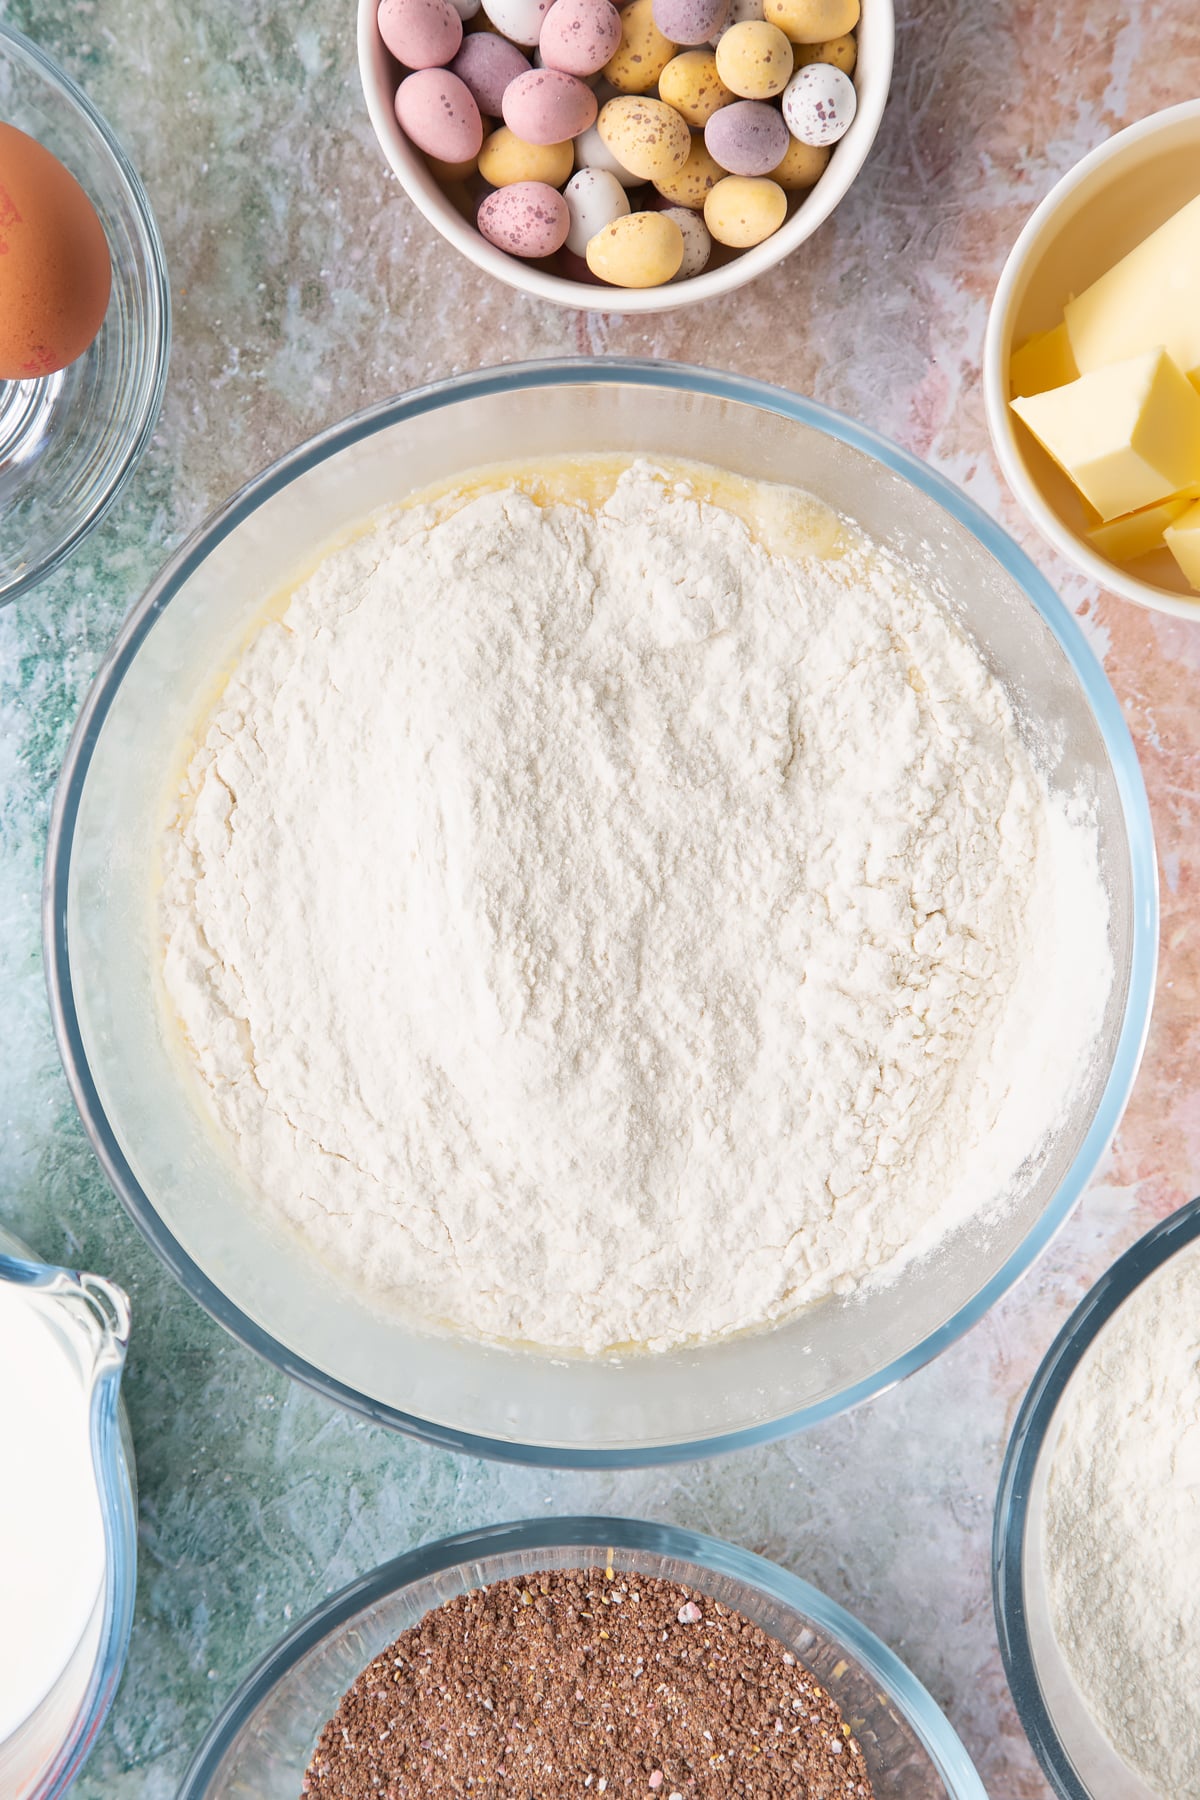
pixel 847 1684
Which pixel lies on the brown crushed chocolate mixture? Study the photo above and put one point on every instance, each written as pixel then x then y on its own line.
pixel 580 1683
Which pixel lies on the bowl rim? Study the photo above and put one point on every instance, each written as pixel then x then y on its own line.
pixel 159 293
pixel 560 289
pixel 1026 1443
pixel 575 371
pixel 994 377
pixel 711 1555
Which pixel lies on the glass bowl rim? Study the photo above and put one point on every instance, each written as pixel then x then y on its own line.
pixel 925 1718
pixel 159 348
pixel 1101 1302
pixel 581 371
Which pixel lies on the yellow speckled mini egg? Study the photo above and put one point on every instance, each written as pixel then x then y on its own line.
pixel 506 159
pixel 691 184
pixel 842 52
pixel 742 210
pixel 691 85
pixel 640 251
pixel 643 52
pixel 646 136
pixel 802 165
pixel 812 21
pixel 754 59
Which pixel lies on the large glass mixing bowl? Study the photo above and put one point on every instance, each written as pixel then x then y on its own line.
pixel 142 1107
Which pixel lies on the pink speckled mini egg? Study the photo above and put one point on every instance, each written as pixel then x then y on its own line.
pixel 690 21
pixel 437 112
pixel 487 63
pixel 527 219
pixel 548 107
pixel 579 36
pixel 747 138
pixel 423 34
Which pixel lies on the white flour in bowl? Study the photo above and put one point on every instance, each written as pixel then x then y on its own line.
pixel 596 929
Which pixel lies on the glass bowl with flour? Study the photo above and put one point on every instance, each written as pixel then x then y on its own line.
pixel 599 911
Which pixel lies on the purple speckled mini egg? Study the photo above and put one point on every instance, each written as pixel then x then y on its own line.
pixel 548 107
pixel 748 137
pixel 690 21
pixel 527 219
pixel 423 34
pixel 579 36
pixel 487 63
pixel 435 109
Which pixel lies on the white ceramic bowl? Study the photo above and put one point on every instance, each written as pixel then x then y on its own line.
pixel 1126 188
pixel 872 76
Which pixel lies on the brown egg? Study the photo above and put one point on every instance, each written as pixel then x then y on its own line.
pixel 55 270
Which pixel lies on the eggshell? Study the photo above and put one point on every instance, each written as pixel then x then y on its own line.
pixel 697 241
pixel 747 138
pixel 506 159
pixel 579 36
pixel 842 52
pixel 643 52
pixel 819 104
pixel 690 21
pixel 436 110
pixel 812 21
pixel 520 20
pixel 487 63
pixel 754 59
pixel 690 185
pixel 802 165
pixel 691 85
pixel 741 212
pixel 641 251
pixel 648 137
pixel 424 34
pixel 55 269
pixel 594 199
pixel 591 152
pixel 547 106
pixel 529 219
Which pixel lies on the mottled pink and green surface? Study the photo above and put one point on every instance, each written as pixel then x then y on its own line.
pixel 304 285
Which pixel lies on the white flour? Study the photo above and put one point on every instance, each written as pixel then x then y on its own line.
pixel 1123 1529
pixel 594 929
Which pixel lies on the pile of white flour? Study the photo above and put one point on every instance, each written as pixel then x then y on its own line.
pixel 1122 1529
pixel 595 929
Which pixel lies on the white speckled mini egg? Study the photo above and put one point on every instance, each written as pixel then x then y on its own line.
pixel 697 241
pixel 819 104
pixel 520 20
pixel 591 152
pixel 594 199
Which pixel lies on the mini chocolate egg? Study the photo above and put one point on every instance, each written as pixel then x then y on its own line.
pixel 842 52
pixel 55 267
pixel 487 63
pixel 646 136
pixel 579 36
pixel 819 104
pixel 547 106
pixel 741 211
pixel 423 34
pixel 690 21
pixel 506 159
pixel 519 20
pixel 741 12
pixel 754 59
pixel 591 152
pixel 528 219
pixel 641 251
pixel 812 21
pixel 747 138
pixel 594 199
pixel 643 52
pixel 691 85
pixel 437 112
pixel 466 9
pixel 801 166
pixel 697 241
pixel 690 184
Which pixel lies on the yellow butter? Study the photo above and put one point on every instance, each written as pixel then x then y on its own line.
pixel 1127 435
pixel 1045 361
pixel 1183 541
pixel 1138 533
pixel 1146 301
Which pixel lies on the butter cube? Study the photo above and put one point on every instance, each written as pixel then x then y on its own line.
pixel 1183 541
pixel 1127 435
pixel 1149 300
pixel 1138 533
pixel 1044 362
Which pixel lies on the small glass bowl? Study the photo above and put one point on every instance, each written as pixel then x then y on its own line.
pixel 1078 1761
pixel 68 442
pixel 262 1741
pixel 44 1755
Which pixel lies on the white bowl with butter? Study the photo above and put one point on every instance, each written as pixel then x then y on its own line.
pixel 1100 212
